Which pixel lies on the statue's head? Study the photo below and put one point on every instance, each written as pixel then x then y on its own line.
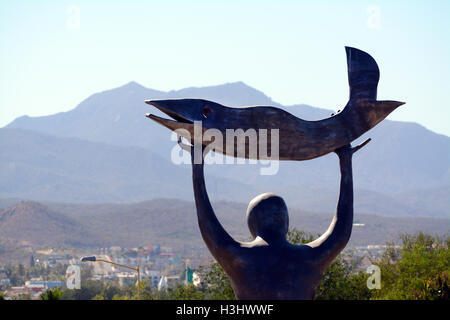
pixel 267 217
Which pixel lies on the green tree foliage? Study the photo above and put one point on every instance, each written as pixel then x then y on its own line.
pixel 340 282
pixel 298 237
pixel 419 270
pixel 189 292
pixel 89 289
pixel 51 294
pixel 216 283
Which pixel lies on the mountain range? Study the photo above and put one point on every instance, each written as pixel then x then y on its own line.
pixel 105 150
pixel 172 222
pixel 36 224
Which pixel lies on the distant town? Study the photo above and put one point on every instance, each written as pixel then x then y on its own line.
pixel 159 264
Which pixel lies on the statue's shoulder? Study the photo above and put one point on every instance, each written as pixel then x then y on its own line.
pixel 302 253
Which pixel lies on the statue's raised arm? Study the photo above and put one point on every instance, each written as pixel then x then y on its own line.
pixel 334 240
pixel 217 239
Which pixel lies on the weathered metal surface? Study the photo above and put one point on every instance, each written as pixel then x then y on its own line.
pixel 298 139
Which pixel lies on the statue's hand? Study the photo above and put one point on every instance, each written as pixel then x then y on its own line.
pixel 190 148
pixel 186 147
pixel 347 151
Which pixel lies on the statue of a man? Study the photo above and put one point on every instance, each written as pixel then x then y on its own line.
pixel 269 267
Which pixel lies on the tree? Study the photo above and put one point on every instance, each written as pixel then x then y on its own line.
pixel 340 282
pixel 51 294
pixel 298 237
pixel 216 283
pixel 419 270
pixel 89 289
pixel 182 292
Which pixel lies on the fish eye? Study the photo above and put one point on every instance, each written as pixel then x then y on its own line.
pixel 206 112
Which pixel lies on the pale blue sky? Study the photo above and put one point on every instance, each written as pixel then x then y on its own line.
pixel 291 50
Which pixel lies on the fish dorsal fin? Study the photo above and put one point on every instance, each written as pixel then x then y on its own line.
pixel 363 74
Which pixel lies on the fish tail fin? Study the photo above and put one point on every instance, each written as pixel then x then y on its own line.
pixel 363 74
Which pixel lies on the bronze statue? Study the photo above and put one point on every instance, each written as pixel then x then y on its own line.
pixel 298 139
pixel 269 267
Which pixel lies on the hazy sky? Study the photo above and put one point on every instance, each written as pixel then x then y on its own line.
pixel 54 54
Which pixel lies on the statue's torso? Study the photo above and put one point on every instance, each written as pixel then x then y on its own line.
pixel 267 272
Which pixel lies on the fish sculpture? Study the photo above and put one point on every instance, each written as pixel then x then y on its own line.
pixel 298 139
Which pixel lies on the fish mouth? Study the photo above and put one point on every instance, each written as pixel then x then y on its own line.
pixel 178 122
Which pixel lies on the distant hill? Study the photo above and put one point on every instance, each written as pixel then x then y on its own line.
pixel 43 167
pixel 48 168
pixel 116 116
pixel 129 160
pixel 172 222
pixel 34 223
